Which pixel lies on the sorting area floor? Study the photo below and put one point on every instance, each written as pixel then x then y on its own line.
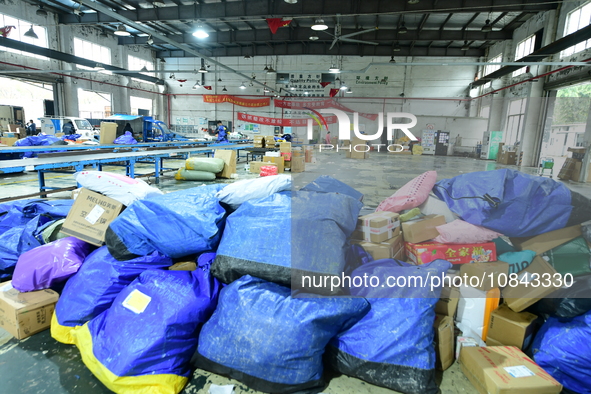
pixel 39 364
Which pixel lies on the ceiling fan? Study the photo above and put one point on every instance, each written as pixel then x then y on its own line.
pixel 346 37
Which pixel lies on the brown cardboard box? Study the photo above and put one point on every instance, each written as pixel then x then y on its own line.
pixel 90 217
pixel 298 164
pixel 546 241
pixel 285 147
pixel 8 141
pixel 527 293
pixel 357 155
pixel 377 227
pixel 506 158
pixel 229 158
pixel 567 169
pixel 259 141
pixel 383 250
pixel 577 172
pixel 506 370
pixel 287 164
pixel 278 161
pixel 448 303
pixel 25 314
pixel 489 271
pixel 108 133
pixel 183 266
pixel 444 341
pixel 255 166
pixel 309 155
pixel 417 231
pixel 510 328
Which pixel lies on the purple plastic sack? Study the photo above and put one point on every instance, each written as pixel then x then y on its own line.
pixel 126 139
pixel 49 264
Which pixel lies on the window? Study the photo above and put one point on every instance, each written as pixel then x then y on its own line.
pixel 490 68
pixel 135 64
pixel 91 51
pixel 524 48
pixel 93 104
pixel 576 20
pixel 140 105
pixel 18 33
pixel 514 121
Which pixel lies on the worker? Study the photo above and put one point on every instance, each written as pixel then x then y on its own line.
pixel 222 132
pixel 68 128
pixel 31 128
pixel 128 128
pixel 327 138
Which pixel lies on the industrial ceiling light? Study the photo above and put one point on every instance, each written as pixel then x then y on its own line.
pixel 291 1
pixel 271 70
pixel 144 69
pixel 487 27
pixel 243 86
pixel 203 69
pixel 158 4
pixel 103 33
pixel 334 69
pixel 396 47
pixel 224 89
pixel 392 59
pixel 31 33
pixel 200 33
pixel 349 91
pixel 314 37
pixel 40 11
pixel 465 47
pixel 344 87
pixel 122 31
pixel 247 56
pixel 78 11
pixel 150 40
pixel 413 1
pixel 219 80
pixel 196 86
pixel 402 29
pixel 266 69
pixel 172 76
pixel 319 25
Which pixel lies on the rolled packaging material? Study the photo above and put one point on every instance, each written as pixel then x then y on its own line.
pixel 184 174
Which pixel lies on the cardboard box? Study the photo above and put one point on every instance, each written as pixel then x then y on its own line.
pixel 255 166
pixel 507 370
pixel 448 303
pixel 90 217
pixel 462 342
pixel 444 341
pixel 229 158
pixel 577 172
pixel 8 141
pixel 377 227
pixel 383 250
pixel 493 273
pixel 25 314
pixel 421 230
pixel 108 133
pixel 309 155
pixel 285 147
pixel 423 253
pixel 567 169
pixel 546 241
pixel 531 290
pixel 297 164
pixel 510 328
pixel 507 158
pixel 278 161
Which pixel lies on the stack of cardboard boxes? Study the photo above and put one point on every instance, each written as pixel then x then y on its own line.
pixel 259 141
pixel 286 158
pixel 358 147
pixel 379 234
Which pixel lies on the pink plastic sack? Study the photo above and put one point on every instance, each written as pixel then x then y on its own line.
pixel 461 232
pixel 49 264
pixel 411 195
pixel 268 170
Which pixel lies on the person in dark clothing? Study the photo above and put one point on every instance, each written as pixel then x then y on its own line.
pixel 222 132
pixel 68 128
pixel 31 128
pixel 128 128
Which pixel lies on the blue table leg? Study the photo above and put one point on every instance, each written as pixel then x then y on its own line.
pixel 157 169
pixel 131 168
pixel 41 176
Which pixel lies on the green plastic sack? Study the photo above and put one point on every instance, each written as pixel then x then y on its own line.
pixel 189 175
pixel 208 164
pixel 572 257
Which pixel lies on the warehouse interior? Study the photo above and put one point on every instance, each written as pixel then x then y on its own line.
pixel 421 128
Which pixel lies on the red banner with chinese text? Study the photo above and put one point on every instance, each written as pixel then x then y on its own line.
pixel 280 122
pixel 318 104
pixel 243 102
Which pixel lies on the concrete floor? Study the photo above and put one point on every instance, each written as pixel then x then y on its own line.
pixel 41 365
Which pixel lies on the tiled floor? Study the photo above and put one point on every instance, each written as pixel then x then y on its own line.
pixel 41 365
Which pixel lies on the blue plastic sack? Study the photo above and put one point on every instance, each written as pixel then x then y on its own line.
pixel 19 220
pixel 145 340
pixel 392 346
pixel 125 139
pixel 36 140
pixel 527 205
pixel 562 347
pixel 176 224
pixel 271 341
pixel 71 137
pixel 94 288
pixel 328 184
pixel 304 233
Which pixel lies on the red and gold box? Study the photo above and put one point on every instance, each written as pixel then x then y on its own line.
pixel 426 252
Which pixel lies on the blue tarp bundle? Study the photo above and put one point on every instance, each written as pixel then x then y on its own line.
pixel 176 224
pixel 271 341
pixel 392 346
pixel 328 184
pixel 36 140
pixel 92 290
pixel 527 205
pixel 562 347
pixel 19 220
pixel 145 340
pixel 304 233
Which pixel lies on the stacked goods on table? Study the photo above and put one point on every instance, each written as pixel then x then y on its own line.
pixel 259 141
pixel 259 291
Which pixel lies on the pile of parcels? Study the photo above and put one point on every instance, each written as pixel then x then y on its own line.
pixel 291 158
pixel 272 286
pixel 221 165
